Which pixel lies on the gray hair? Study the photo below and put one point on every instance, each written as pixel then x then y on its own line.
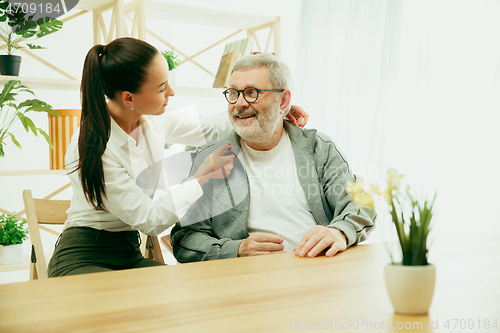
pixel 279 73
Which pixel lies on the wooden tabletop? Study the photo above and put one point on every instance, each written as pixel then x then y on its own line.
pixel 273 293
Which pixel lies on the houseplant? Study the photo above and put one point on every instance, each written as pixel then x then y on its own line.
pixel 12 235
pixel 173 62
pixel 410 282
pixel 12 111
pixel 172 59
pixel 17 28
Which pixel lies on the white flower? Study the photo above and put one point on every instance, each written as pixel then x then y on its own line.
pixel 394 179
pixel 354 187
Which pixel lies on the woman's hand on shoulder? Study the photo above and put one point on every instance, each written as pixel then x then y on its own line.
pixel 297 115
pixel 217 165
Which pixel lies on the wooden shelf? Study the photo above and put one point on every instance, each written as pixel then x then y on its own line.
pixel 32 172
pixel 40 83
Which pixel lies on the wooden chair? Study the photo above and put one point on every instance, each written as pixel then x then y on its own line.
pixel 165 240
pixel 150 248
pixel 42 211
pixel 45 211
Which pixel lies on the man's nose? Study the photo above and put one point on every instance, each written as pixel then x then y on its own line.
pixel 241 102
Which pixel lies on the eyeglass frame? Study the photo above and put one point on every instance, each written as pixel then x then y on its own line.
pixel 244 95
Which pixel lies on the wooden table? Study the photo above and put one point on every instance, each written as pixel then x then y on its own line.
pixel 274 293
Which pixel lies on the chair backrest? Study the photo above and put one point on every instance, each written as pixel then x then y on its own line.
pixel 41 211
pixel 165 240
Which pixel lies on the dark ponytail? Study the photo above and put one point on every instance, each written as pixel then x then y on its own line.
pixel 108 69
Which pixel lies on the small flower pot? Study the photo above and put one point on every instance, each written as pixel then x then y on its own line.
pixel 11 254
pixel 171 78
pixel 410 288
pixel 10 64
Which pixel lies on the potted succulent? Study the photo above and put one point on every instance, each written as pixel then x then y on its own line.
pixel 12 111
pixel 410 282
pixel 12 235
pixel 17 28
pixel 173 62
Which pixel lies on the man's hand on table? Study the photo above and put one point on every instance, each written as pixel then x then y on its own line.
pixel 319 238
pixel 258 244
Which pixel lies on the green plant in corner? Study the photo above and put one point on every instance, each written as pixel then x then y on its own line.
pixel 12 231
pixel 410 216
pixel 172 59
pixel 11 112
pixel 19 27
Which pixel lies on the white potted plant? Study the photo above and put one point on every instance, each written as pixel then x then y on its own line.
pixel 410 282
pixel 12 235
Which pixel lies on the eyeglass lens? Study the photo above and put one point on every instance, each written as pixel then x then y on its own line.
pixel 250 94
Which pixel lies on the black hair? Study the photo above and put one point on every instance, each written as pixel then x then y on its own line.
pixel 108 69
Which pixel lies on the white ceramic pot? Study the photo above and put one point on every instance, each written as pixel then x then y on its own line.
pixel 171 78
pixel 410 288
pixel 11 254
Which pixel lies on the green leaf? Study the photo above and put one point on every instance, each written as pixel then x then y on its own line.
pixel 27 90
pixel 7 88
pixel 48 26
pixel 33 103
pixel 41 108
pixel 27 33
pixel 14 140
pixel 9 97
pixel 27 123
pixel 47 138
pixel 35 47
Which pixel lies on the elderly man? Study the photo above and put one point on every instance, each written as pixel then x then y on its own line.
pixel 287 188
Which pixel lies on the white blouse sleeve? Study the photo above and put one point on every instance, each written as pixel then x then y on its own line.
pixel 188 129
pixel 128 202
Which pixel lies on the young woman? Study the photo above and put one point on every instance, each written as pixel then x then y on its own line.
pixel 115 147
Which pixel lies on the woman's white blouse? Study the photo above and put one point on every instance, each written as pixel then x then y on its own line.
pixel 132 170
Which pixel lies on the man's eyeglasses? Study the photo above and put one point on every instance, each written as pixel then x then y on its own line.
pixel 250 94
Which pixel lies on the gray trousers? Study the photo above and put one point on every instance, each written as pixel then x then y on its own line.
pixel 82 250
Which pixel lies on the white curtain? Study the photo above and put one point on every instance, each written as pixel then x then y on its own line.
pixel 411 85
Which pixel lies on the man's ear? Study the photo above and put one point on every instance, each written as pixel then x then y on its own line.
pixel 285 101
pixel 127 98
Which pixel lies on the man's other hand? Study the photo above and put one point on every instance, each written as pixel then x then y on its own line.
pixel 319 238
pixel 257 244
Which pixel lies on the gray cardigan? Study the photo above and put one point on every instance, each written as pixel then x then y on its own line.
pixel 216 224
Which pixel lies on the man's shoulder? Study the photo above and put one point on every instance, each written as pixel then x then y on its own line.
pixel 322 137
pixel 308 137
pixel 322 146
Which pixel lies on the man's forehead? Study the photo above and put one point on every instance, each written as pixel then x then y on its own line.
pixel 250 76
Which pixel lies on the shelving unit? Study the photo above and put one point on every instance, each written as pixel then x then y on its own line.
pixel 137 11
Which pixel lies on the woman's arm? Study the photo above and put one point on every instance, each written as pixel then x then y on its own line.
pixel 183 127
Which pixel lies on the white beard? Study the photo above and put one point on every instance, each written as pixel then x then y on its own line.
pixel 263 126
